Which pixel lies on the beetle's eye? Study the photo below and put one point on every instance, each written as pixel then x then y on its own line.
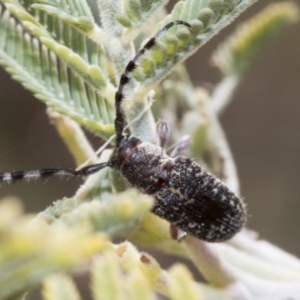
pixel 133 142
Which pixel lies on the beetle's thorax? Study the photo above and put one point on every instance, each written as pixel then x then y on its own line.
pixel 143 164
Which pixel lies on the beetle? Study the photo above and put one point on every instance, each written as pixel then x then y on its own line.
pixel 185 194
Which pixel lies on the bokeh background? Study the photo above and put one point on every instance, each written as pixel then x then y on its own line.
pixel 262 125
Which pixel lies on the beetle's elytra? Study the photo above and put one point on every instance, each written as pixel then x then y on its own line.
pixel 185 194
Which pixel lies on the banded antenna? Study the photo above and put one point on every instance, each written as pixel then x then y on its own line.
pixel 120 118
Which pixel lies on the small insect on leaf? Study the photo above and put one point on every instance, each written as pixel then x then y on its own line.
pixel 185 194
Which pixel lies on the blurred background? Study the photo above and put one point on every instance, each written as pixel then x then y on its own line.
pixel 262 125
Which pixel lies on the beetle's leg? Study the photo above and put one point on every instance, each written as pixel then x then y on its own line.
pixel 179 146
pixel 164 132
pixel 176 233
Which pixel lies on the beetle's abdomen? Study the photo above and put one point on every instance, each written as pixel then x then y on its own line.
pixel 198 203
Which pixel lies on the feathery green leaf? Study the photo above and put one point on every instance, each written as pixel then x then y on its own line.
pixel 60 287
pixel 31 250
pixel 52 80
pixel 237 52
pixel 111 214
pixel 206 18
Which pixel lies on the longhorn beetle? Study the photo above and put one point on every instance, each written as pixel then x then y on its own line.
pixel 185 194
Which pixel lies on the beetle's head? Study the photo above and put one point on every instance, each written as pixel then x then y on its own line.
pixel 125 147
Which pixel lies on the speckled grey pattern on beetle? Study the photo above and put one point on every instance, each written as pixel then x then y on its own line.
pixel 185 194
